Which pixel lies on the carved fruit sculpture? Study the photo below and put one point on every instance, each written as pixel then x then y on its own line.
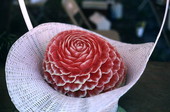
pixel 81 64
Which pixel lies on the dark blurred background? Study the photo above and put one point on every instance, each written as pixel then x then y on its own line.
pixel 135 12
pixel 147 14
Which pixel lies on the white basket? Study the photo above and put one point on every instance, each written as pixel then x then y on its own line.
pixel 28 90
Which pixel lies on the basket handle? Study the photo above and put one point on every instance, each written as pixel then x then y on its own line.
pixel 162 25
pixel 25 14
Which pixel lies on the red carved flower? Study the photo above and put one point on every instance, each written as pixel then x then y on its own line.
pixel 81 64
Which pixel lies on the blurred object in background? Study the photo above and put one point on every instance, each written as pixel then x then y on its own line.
pixel 37 1
pixel 140 28
pixel 77 17
pixel 95 4
pixel 116 10
pixel 101 22
pixel 75 13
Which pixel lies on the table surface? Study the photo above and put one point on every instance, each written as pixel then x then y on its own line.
pixel 150 94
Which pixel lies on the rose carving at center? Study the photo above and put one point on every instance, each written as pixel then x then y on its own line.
pixel 82 64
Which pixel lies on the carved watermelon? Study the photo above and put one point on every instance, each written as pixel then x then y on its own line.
pixel 81 64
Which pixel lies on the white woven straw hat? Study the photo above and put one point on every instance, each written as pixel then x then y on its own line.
pixel 29 91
